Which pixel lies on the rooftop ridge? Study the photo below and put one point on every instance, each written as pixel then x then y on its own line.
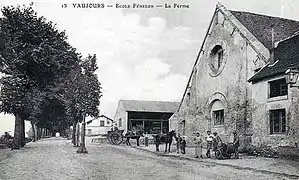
pixel 265 15
pixel 290 37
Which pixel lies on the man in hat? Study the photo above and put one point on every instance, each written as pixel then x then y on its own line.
pixel 236 144
pixel 217 141
pixel 209 140
pixel 198 146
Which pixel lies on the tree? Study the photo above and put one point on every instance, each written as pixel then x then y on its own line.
pixel 91 94
pixel 34 58
pixel 83 93
pixel 13 101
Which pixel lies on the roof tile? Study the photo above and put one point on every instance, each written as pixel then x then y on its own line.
pixel 287 54
pixel 150 106
pixel 260 26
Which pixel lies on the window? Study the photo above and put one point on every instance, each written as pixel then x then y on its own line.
pixel 108 122
pixel 119 122
pixel 216 57
pixel 89 131
pixel 218 117
pixel 278 88
pixel 102 123
pixel 277 121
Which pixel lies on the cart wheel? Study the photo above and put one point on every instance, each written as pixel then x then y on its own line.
pixel 110 138
pixel 218 154
pixel 116 138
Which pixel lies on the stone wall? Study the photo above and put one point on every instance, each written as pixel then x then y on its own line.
pixel 261 117
pixel 246 106
pixel 228 85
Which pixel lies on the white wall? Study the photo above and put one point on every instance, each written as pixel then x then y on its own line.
pixel 95 127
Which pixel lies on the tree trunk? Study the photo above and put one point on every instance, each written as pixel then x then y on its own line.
pixel 82 148
pixel 17 134
pixel 63 130
pixel 77 135
pixel 23 141
pixel 36 132
pixel 40 133
pixel 43 132
pixel 33 132
pixel 74 133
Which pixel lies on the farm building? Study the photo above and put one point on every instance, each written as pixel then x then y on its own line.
pixel 150 116
pixel 238 81
pixel 99 126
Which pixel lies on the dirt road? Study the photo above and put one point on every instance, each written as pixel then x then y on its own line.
pixel 56 159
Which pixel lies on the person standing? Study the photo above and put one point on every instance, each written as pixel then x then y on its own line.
pixel 217 141
pixel 209 140
pixel 178 142
pixel 183 145
pixel 198 146
pixel 236 144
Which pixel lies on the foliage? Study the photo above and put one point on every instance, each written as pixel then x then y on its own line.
pixel 34 56
pixel 44 78
pixel 83 90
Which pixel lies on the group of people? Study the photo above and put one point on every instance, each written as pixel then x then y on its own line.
pixel 213 142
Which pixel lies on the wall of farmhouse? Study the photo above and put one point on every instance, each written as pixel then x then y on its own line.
pixel 261 116
pixel 173 123
pixel 121 117
pixel 224 88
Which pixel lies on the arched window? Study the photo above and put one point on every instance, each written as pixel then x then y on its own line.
pixel 216 57
pixel 217 113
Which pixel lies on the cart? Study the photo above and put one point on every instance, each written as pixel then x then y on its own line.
pixel 115 137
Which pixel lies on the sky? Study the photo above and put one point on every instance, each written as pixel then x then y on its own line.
pixel 143 54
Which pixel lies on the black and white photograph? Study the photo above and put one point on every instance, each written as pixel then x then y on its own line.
pixel 149 89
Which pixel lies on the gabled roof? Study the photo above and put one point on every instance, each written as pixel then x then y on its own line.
pixel 260 26
pixel 149 106
pixel 286 54
pixel 99 117
pixel 257 30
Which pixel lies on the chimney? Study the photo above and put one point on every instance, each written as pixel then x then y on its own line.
pixel 272 60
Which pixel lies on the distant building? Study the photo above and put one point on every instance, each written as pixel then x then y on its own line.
pixel 150 116
pixel 99 126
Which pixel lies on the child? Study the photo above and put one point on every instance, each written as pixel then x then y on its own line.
pixel 178 143
pixel 183 145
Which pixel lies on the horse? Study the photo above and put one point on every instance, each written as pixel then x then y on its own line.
pixel 164 138
pixel 133 135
